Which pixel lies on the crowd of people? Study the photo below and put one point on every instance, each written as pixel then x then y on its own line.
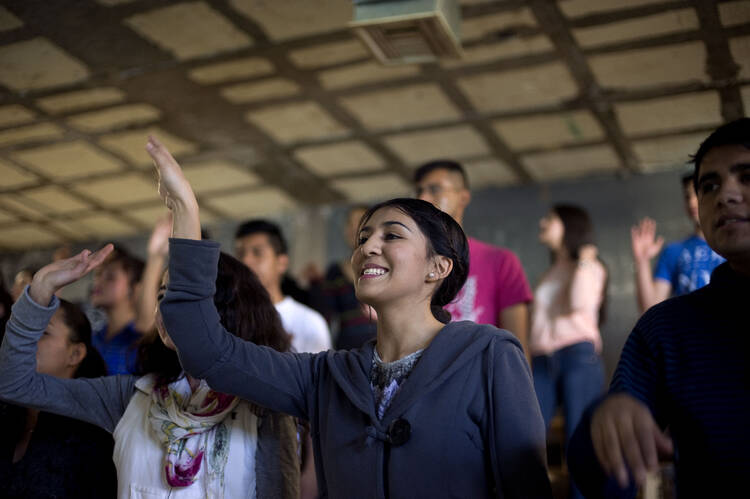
pixel 200 374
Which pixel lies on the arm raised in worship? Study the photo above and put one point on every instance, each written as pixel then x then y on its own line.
pixel 645 246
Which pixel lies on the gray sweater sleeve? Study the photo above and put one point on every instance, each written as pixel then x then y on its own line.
pixel 100 401
pixel 282 382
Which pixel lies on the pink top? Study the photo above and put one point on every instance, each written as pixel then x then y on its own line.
pixel 566 307
pixel 496 281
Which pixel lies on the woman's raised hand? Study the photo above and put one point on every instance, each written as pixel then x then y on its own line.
pixel 176 192
pixel 51 278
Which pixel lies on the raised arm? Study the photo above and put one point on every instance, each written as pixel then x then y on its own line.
pixel 148 288
pixel 282 382
pixel 645 246
pixel 100 401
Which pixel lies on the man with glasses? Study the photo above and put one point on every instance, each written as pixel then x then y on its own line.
pixel 496 291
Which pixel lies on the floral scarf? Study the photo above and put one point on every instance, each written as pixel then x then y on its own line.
pixel 191 427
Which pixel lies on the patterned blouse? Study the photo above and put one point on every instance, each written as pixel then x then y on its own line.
pixel 387 377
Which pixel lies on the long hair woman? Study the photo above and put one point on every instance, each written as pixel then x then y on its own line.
pixel 47 455
pixel 568 307
pixel 175 436
pixel 429 409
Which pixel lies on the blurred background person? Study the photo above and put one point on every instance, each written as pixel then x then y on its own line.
pixel 568 307
pixel 45 455
pixel 352 323
pixel 683 266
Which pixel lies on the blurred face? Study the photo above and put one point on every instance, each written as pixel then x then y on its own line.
pixel 724 201
pixel 111 286
pixel 446 191
pixel 352 224
pixel 551 231
pixel 256 251
pixel 158 320
pixel 390 261
pixel 691 203
pixel 55 354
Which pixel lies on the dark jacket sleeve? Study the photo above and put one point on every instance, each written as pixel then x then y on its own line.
pixel 637 374
pixel 282 382
pixel 517 434
pixel 100 401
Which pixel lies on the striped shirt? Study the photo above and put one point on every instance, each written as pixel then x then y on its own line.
pixel 688 360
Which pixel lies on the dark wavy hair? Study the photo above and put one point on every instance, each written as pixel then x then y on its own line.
pixel 92 365
pixel 445 237
pixel 245 310
pixel 579 231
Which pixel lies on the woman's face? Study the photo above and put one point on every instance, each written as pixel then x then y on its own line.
pixel 551 231
pixel 55 354
pixel 158 320
pixel 390 259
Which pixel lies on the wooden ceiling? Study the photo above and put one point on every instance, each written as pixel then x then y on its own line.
pixel 273 105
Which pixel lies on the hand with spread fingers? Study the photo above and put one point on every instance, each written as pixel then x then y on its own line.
pixel 176 192
pixel 643 240
pixel 626 437
pixel 51 278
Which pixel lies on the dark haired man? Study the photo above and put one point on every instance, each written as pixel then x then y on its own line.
pixel 496 291
pixel 115 291
pixel 683 266
pixel 684 366
pixel 261 246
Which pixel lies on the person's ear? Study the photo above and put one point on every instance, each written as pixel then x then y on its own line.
pixel 76 354
pixel 440 268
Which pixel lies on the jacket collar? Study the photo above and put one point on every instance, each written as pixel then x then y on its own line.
pixel 455 344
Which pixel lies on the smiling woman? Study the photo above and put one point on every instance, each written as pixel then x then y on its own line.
pixel 429 409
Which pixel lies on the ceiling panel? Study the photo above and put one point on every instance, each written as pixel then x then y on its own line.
pixel 17 204
pixel 363 73
pixel 553 165
pixel 115 117
pixel 189 30
pixel 511 47
pixel 450 142
pixel 489 172
pixel 402 106
pixel 287 19
pixel 497 25
pixel 31 133
pixel 740 48
pixel 667 152
pixel 365 189
pixel 329 53
pixel 132 144
pixel 8 21
pixel 576 8
pixel 68 160
pixel 734 13
pixel 343 157
pixel 236 69
pixel 103 225
pixel 207 176
pixel 296 122
pixel 6 217
pixel 671 113
pixel 15 176
pixel 260 91
pixel 664 23
pixel 128 188
pixel 53 200
pixel 253 203
pixel 672 64
pixel 38 64
pixel 81 99
pixel 25 236
pixel 551 130
pixel 533 87
pixel 15 115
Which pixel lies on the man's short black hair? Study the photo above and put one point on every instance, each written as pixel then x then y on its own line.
pixel 736 132
pixel 441 164
pixel 260 226
pixel 129 263
pixel 686 180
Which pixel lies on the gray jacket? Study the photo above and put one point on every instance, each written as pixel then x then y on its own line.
pixel 102 401
pixel 466 423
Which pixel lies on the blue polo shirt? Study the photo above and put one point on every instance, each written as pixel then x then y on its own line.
pixel 120 352
pixel 687 265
